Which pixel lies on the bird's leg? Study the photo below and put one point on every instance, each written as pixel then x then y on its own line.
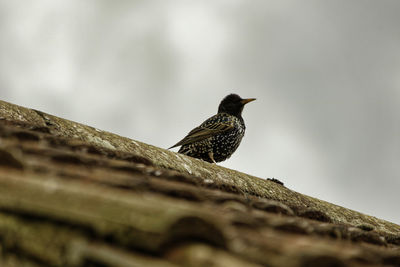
pixel 211 155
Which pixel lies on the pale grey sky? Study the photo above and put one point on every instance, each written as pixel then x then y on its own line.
pixel 326 75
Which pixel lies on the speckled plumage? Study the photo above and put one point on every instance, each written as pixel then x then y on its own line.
pixel 218 137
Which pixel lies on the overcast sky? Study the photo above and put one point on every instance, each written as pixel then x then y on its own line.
pixel 326 75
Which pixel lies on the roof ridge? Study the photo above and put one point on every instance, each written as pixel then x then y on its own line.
pixel 211 175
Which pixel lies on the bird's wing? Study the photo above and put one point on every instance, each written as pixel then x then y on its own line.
pixel 209 128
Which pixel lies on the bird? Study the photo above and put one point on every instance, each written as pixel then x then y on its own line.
pixel 219 136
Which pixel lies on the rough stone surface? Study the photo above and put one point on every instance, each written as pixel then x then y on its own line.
pixel 73 195
pixel 245 183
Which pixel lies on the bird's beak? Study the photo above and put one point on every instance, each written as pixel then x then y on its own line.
pixel 247 100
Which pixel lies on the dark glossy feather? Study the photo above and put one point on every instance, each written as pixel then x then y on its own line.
pixel 210 127
pixel 218 137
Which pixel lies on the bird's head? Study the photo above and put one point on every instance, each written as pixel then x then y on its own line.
pixel 233 104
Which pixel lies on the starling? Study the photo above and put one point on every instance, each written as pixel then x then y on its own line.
pixel 218 137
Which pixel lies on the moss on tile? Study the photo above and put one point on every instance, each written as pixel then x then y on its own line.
pixel 220 176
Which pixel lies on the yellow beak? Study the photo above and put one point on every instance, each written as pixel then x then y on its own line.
pixel 247 100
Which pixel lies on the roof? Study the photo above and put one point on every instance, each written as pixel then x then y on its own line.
pixel 74 195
